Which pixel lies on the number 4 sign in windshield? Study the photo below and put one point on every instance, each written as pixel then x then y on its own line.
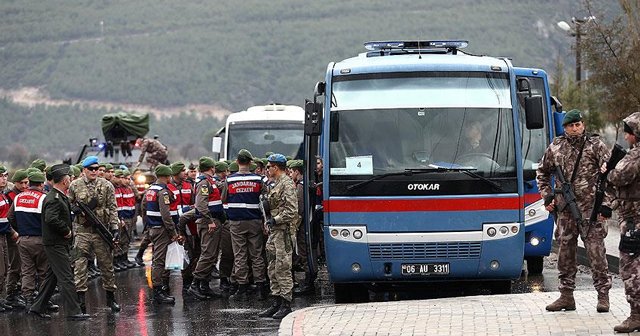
pixel 359 165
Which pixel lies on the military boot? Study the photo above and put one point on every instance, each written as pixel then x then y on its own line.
pixel 263 291
pixel 631 324
pixel 206 290
pixel 242 293
pixel 603 303
pixel 161 298
pixel 139 257
pixel 122 263
pixel 194 290
pixel 15 302
pixel 111 302
pixel 116 265
pixel 277 302
pixel 129 263
pixel 565 302
pixel 83 305
pixel 285 309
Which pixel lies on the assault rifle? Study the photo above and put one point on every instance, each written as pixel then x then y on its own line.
pixel 617 153
pixel 265 208
pixel 102 230
pixel 569 197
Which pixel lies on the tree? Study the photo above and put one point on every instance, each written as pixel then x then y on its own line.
pixel 611 53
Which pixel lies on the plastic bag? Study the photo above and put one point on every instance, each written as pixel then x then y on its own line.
pixel 175 257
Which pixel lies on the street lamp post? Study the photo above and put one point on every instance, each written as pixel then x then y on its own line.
pixel 577 33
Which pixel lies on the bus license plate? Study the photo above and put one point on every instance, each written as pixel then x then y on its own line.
pixel 425 269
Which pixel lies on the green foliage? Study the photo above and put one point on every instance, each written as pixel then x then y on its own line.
pixel 239 54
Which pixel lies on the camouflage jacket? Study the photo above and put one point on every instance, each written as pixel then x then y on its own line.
pixel 283 202
pixel 151 146
pixel 626 180
pixel 563 152
pixel 106 209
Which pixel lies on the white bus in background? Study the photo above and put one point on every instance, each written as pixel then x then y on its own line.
pixel 261 129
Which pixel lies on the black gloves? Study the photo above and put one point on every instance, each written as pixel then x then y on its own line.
pixel 606 211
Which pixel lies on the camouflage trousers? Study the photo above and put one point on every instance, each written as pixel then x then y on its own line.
pixel 126 232
pixel 630 274
pixel 279 254
pixel 567 237
pixel 155 158
pixel 84 243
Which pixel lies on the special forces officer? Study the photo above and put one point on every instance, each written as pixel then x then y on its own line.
pixel 283 203
pixel 162 231
pixel 626 179
pixel 579 155
pixel 98 194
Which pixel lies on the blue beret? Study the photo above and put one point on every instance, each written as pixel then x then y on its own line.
pixel 277 158
pixel 89 160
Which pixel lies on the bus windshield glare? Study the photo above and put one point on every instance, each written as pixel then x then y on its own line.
pixel 453 120
pixel 260 138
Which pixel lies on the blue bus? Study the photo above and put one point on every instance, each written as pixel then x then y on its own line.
pixel 429 159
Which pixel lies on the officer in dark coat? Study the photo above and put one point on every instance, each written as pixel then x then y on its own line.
pixel 57 236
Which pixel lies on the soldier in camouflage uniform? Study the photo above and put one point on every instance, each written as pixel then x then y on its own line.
pixel 564 153
pixel 283 203
pixel 157 152
pixel 91 187
pixel 626 180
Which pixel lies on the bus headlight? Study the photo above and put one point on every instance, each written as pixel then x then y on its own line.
pixel 357 234
pixel 494 265
pixel 534 241
pixel 491 231
pixel 355 268
pixel 344 233
pixel 504 230
pixel 334 233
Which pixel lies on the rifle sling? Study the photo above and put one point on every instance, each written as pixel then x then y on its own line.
pixel 575 168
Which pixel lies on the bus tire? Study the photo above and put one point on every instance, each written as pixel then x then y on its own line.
pixel 535 265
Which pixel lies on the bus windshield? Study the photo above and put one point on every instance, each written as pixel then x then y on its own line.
pixel 260 138
pixel 449 120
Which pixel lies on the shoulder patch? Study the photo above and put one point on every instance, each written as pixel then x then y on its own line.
pixel 204 190
pixel 166 199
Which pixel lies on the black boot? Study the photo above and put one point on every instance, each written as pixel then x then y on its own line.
pixel 277 302
pixel 161 298
pixel 139 258
pixel 116 266
pixel 242 293
pixel 194 290
pixel 233 288
pixel 285 309
pixel 83 305
pixel 206 290
pixel 14 301
pixel 129 263
pixel 186 283
pixel 165 286
pixel 121 263
pixel 111 302
pixel 97 270
pixel 263 291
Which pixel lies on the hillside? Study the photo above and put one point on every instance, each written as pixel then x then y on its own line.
pixel 239 54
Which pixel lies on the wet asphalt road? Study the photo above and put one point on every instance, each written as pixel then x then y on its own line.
pixel 140 316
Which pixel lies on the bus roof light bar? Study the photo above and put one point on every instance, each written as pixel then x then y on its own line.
pixel 450 45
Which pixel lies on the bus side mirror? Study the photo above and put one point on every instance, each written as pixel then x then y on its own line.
pixel 313 118
pixel 534 113
pixel 216 145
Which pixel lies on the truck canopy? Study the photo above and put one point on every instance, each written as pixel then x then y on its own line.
pixel 124 126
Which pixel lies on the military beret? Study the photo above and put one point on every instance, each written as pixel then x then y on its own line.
pixel 102 164
pixel 32 169
pixel 60 170
pixel 259 161
pixel 571 117
pixel 297 164
pixel 36 177
pixel 3 169
pixel 126 172
pixel 89 160
pixel 245 154
pixel 76 171
pixel 289 158
pixel 253 166
pixel 19 175
pixel 163 170
pixel 228 162
pixel 279 158
pixel 221 166
pixel 108 166
pixel 268 154
pixel 192 166
pixel 39 163
pixel 47 173
pixel 123 167
pixel 177 167
pixel 289 163
pixel 79 166
pixel 205 163
pixel 233 167
pixel 118 173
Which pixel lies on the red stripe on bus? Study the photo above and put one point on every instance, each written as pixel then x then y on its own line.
pixel 531 198
pixel 457 204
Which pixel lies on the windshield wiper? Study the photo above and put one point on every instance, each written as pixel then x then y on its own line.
pixel 433 169
pixel 406 172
